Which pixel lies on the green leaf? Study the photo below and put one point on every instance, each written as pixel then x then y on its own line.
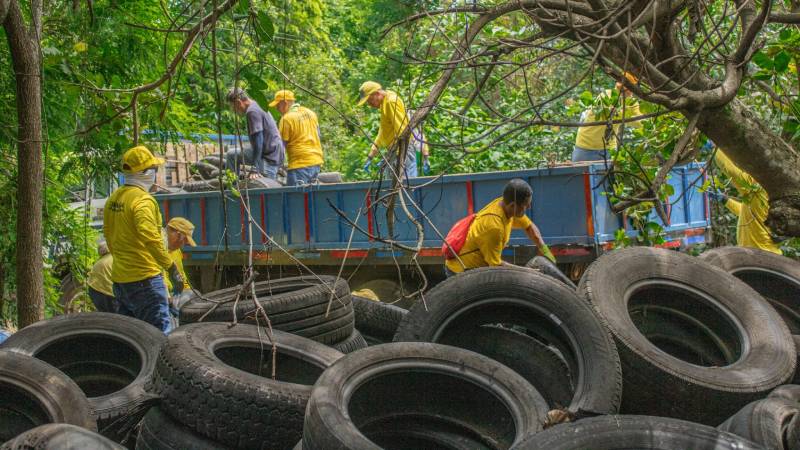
pixel 243 7
pixel 762 75
pixel 762 60
pixel 264 27
pixel 782 61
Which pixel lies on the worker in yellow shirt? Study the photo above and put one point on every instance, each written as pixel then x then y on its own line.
pixel 752 210
pixel 101 289
pixel 178 233
pixel 300 132
pixel 132 227
pixel 594 142
pixel 491 229
pixel 393 122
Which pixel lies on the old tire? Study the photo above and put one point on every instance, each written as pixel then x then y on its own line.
pixel 60 436
pixel 623 282
pixel 207 375
pixel 329 177
pixel 775 277
pixel 546 267
pixel 34 393
pixel 354 342
pixel 634 432
pixel 376 319
pixel 299 305
pixel 388 387
pixel 532 304
pixel 772 422
pixel 159 431
pixel 111 357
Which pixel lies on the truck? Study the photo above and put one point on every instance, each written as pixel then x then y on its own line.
pixel 342 228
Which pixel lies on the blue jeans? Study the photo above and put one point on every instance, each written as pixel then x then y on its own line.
pixel 235 158
pixel 409 168
pixel 103 302
pixel 145 300
pixel 303 175
pixel 582 154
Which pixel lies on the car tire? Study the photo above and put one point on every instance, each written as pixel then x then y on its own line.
pixel 60 436
pixel 533 304
pixel 159 431
pixel 329 177
pixel 111 357
pixel 376 319
pixel 318 308
pixel 620 283
pixel 547 267
pixel 772 422
pixel 207 376
pixel 380 389
pixel 34 393
pixel 640 432
pixel 353 343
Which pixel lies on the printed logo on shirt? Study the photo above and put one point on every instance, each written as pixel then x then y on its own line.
pixel 117 207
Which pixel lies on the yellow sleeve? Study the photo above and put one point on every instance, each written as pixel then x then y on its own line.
pixel 177 258
pixel 148 225
pixel 739 178
pixel 633 111
pixel 285 128
pixel 491 246
pixel 521 223
pixel 393 121
pixel 734 206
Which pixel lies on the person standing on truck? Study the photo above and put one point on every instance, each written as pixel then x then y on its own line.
pixel 101 288
pixel 594 142
pixel 491 227
pixel 418 143
pixel 132 227
pixel 752 210
pixel 301 136
pixel 393 122
pixel 266 147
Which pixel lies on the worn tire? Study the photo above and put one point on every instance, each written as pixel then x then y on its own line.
pixel 545 266
pixel 232 404
pixel 533 304
pixel 111 357
pixel 60 436
pixel 159 431
pixel 775 277
pixel 772 422
pixel 639 432
pixel 354 342
pixel 658 383
pixel 34 393
pixel 376 319
pixel 381 388
pixel 330 177
pixel 200 186
pixel 299 305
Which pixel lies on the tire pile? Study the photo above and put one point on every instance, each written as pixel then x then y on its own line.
pixel 653 349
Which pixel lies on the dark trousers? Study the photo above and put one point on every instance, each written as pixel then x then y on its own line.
pixel 145 300
pixel 103 302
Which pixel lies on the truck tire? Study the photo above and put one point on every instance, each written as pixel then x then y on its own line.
pixel 787 392
pixel 625 281
pixel 201 186
pixel 545 266
pixel 376 319
pixel 775 277
pixel 640 432
pixel 208 377
pixel 159 431
pixel 60 436
pixel 299 305
pixel 34 393
pixel 771 422
pixel 111 357
pixel 390 387
pixel 329 177
pixel 537 306
pixel 355 342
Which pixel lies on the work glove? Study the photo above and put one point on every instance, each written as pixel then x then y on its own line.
pixel 426 165
pixel 718 196
pixel 708 145
pixel 545 251
pixel 367 164
pixel 176 278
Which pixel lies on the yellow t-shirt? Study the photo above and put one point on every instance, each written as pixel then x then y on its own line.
pixel 752 211
pixel 593 137
pixel 100 275
pixel 487 237
pixel 300 130
pixel 132 227
pixel 393 120
pixel 177 257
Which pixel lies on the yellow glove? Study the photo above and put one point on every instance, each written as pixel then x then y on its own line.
pixel 545 251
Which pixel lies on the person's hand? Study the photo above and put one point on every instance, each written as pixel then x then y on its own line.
pixel 718 196
pixel 708 145
pixel 544 250
pixel 367 164
pixel 426 165
pixel 176 278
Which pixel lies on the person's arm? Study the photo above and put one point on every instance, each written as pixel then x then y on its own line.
pixel 146 217
pixel 734 206
pixel 393 122
pixel 739 178
pixel 285 129
pixel 179 262
pixel 536 237
pixel 257 146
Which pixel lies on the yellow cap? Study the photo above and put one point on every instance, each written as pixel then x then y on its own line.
pixel 184 227
pixel 138 159
pixel 367 88
pixel 281 96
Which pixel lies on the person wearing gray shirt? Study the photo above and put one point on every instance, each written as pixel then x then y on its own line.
pixel 266 151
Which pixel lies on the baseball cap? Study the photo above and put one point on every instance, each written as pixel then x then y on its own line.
pixel 280 96
pixel 367 88
pixel 184 227
pixel 139 158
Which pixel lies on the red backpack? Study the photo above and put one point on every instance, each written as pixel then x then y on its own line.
pixel 457 237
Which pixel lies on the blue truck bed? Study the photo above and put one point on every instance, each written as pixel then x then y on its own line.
pixel 569 208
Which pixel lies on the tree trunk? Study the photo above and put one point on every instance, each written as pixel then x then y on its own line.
pixel 762 153
pixel 24 44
